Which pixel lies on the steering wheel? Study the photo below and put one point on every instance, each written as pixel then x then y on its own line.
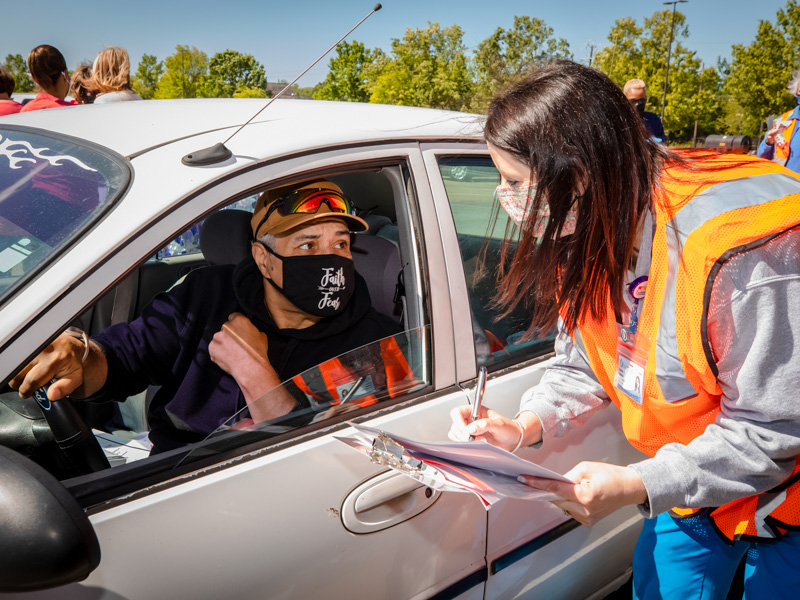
pixel 72 433
pixel 21 428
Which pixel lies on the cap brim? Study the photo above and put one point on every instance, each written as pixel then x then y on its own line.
pixel 286 224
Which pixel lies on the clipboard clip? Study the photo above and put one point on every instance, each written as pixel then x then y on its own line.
pixel 385 451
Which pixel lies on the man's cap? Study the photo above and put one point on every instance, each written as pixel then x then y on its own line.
pixel 276 223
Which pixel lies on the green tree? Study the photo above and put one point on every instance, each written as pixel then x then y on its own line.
pixel 373 70
pixel 17 66
pixel 231 71
pixel 759 72
pixel 428 67
pixel 641 53
pixel 506 55
pixel 346 79
pixel 250 92
pixel 185 74
pixel 624 56
pixel 145 80
pixel 307 91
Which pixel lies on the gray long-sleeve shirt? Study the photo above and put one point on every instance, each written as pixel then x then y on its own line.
pixel 754 330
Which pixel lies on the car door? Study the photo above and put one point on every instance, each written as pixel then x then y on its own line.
pixel 531 545
pixel 265 520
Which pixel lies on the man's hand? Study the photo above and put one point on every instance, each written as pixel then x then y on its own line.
pixel 494 428
pixel 778 127
pixel 62 360
pixel 599 490
pixel 240 349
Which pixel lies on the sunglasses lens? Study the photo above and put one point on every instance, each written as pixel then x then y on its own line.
pixel 309 201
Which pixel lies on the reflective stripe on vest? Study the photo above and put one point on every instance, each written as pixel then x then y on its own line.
pixel 708 204
pixel 324 384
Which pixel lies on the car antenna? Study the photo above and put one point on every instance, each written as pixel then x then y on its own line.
pixel 219 151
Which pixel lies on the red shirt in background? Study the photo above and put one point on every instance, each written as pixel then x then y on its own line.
pixel 45 101
pixel 9 107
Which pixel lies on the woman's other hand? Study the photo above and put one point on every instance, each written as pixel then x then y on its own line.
pixel 598 490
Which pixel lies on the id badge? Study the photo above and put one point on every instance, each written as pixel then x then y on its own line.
pixel 631 367
pixel 632 353
pixel 632 347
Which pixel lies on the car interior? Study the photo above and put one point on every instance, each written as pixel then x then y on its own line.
pixel 224 238
pixel 383 255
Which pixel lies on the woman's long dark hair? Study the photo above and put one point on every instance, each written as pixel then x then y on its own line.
pixel 586 146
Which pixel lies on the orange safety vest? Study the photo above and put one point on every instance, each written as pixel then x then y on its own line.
pixel 326 384
pixel 699 226
pixel 783 140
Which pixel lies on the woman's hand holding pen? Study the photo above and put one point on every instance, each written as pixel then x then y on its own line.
pixel 598 489
pixel 494 428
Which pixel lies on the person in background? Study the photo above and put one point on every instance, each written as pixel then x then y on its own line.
pixel 111 73
pixel 635 91
pixel 673 279
pixel 7 85
pixel 82 88
pixel 49 71
pixel 779 143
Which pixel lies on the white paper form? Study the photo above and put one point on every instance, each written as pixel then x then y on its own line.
pixel 478 467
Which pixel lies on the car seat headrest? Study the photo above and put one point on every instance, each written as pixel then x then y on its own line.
pixel 225 237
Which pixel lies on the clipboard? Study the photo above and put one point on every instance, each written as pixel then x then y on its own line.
pixel 478 467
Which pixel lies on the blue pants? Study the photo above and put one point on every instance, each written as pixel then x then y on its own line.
pixel 685 559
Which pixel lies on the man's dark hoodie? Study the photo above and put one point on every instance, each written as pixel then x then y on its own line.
pixel 168 346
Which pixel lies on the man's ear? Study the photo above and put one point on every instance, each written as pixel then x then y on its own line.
pixel 264 260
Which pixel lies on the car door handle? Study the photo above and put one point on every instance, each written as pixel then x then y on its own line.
pixel 385 500
pixel 386 491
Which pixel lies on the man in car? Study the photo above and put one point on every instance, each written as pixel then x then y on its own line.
pixel 226 335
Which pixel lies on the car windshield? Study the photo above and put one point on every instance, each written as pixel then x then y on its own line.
pixel 388 368
pixel 51 188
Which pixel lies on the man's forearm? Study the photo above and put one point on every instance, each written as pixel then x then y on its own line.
pixel 265 396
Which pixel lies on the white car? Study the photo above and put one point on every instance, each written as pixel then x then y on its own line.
pixel 99 211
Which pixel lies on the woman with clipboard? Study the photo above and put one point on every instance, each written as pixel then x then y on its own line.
pixel 673 278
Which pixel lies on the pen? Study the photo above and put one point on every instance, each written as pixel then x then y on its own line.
pixel 480 388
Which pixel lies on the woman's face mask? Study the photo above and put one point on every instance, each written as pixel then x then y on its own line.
pixel 517 200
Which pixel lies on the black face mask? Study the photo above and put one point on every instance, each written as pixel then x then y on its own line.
pixel 319 284
pixel 639 105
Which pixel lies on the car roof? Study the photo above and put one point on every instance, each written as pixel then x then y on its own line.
pixel 134 128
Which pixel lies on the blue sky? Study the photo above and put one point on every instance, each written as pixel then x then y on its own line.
pixel 286 36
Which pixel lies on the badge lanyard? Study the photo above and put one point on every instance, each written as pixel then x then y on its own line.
pixel 632 348
pixel 637 290
pixel 633 344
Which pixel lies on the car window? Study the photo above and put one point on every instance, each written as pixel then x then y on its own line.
pixel 385 372
pixel 382 370
pixel 188 242
pixel 481 225
pixel 51 188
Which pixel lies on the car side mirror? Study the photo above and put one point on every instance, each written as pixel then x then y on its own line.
pixel 46 539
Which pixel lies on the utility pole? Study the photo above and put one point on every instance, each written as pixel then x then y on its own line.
pixel 183 76
pixel 669 53
pixel 613 54
pixel 700 89
pixel 592 46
